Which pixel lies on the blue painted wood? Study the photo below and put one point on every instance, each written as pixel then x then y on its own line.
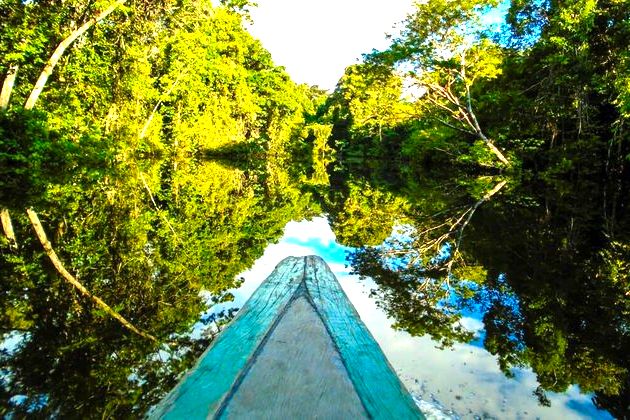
pixel 206 389
pixel 200 393
pixel 376 383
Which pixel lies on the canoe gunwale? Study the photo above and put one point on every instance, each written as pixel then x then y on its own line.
pixel 379 389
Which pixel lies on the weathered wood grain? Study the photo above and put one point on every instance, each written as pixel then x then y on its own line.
pixel 380 390
pixel 298 373
pixel 201 392
pixel 297 349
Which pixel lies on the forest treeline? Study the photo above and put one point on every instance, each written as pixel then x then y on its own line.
pixel 180 77
pixel 548 90
pixel 163 150
pixel 151 77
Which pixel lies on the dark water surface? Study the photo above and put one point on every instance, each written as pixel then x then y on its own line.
pixel 492 296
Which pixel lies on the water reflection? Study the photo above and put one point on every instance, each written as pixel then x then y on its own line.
pixel 490 296
pixel 544 274
pixel 158 241
pixel 463 380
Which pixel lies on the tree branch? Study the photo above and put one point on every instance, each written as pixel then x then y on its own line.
pixel 61 48
pixel 7 227
pixel 472 211
pixel 466 115
pixel 7 87
pixel 454 127
pixel 52 255
pixel 157 208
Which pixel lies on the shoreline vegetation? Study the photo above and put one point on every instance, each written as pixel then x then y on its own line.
pixel 160 149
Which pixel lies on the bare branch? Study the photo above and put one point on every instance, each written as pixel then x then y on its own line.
pixel 463 130
pixel 7 227
pixel 472 211
pixel 52 255
pixel 7 87
pixel 61 48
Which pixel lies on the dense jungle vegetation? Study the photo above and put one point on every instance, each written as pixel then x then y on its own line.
pixel 537 107
pixel 150 150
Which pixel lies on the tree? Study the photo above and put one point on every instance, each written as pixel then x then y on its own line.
pixel 371 96
pixel 443 50
pixel 561 92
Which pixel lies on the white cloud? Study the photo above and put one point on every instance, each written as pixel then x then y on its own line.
pixel 471 324
pixel 339 269
pixel 316 229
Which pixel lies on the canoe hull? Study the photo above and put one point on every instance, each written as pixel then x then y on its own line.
pixel 297 348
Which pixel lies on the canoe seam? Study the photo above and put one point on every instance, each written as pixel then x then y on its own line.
pixel 311 301
pixel 301 289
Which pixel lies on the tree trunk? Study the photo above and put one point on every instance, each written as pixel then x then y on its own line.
pixel 487 196
pixel 52 255
pixel 475 123
pixel 7 227
pixel 61 48
pixel 482 136
pixel 497 152
pixel 494 149
pixel 7 87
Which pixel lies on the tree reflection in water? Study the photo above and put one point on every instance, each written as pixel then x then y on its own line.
pixel 148 244
pixel 548 277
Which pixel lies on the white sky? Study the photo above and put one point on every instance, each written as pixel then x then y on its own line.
pixel 317 39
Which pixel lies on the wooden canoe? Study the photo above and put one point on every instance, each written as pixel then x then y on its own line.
pixel 297 349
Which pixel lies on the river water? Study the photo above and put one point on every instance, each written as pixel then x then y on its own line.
pixel 463 381
pixel 492 297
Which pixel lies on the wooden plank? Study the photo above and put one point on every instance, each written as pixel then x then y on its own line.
pixel 380 390
pixel 322 339
pixel 298 373
pixel 201 392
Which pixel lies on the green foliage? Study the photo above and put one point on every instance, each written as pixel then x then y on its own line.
pixel 567 87
pixel 317 137
pixel 367 101
pixel 551 89
pixel 33 156
pixel 547 273
pixel 367 216
pixel 150 238
pixel 220 88
pixel 159 79
pixel 478 155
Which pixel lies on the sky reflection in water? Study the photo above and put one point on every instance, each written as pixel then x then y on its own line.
pixel 464 380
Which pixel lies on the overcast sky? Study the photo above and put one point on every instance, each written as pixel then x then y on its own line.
pixel 317 39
